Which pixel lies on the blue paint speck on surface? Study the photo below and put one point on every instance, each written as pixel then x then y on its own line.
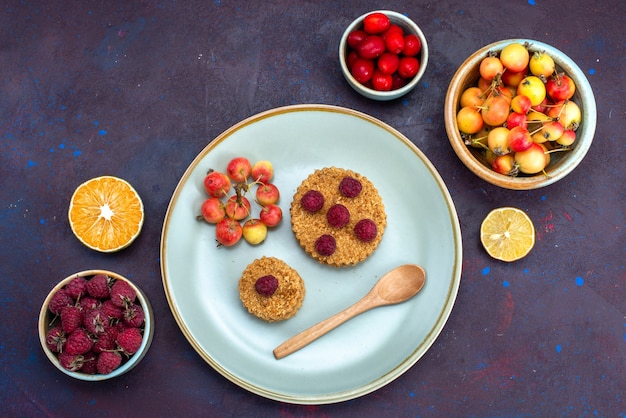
pixel 102 132
pixel 544 197
pixel 96 123
pixel 558 348
pixel 592 71
pixel 486 271
pixel 526 271
pixel 580 281
pixel 505 283
pixel 42 221
pixel 76 153
pixel 31 163
pixel 532 2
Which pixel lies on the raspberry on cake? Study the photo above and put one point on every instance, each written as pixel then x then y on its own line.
pixel 338 216
pixel 312 201
pixel 325 245
pixel 365 230
pixel 266 285
pixel 271 290
pixel 350 187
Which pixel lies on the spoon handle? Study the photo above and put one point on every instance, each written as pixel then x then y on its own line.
pixel 311 334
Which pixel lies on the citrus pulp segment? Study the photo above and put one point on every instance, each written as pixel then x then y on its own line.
pixel 507 234
pixel 106 213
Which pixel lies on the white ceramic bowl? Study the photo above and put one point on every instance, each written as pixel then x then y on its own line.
pixel 46 318
pixel 561 163
pixel 409 27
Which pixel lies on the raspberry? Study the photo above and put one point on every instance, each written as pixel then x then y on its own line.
pixel 122 294
pixel 266 285
pixel 78 342
pixel 110 310
pixel 350 187
pixel 106 340
pixel 312 201
pixel 133 316
pixel 55 339
pixel 71 362
pixel 88 303
pixel 120 326
pixel 95 321
pixel 325 245
pixel 77 287
pixel 98 286
pixel 90 363
pixel 71 318
pixel 338 215
pixel 108 361
pixel 365 230
pixel 129 340
pixel 59 300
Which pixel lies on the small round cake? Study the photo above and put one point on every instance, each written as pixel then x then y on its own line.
pixel 271 290
pixel 337 216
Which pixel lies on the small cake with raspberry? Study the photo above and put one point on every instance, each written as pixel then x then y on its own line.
pixel 271 290
pixel 337 216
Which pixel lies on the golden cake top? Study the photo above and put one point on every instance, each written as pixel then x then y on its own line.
pixel 338 216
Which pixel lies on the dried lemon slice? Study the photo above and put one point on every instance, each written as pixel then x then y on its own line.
pixel 106 213
pixel 507 234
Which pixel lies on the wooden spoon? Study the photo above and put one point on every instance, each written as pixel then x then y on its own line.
pixel 398 285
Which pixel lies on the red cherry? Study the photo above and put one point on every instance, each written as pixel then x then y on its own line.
pixel 412 45
pixel 381 82
pixel 408 67
pixel 375 23
pixel 355 38
pixel 362 70
pixel 394 43
pixel 388 63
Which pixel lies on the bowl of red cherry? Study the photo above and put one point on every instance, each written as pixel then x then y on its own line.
pixel 383 55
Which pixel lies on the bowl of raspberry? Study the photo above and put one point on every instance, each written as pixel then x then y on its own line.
pixel 95 325
pixel 383 55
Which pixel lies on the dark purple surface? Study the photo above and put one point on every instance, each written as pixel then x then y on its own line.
pixel 137 89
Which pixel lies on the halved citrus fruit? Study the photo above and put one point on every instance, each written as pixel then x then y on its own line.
pixel 507 234
pixel 106 213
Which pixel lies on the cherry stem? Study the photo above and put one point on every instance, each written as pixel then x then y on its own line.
pixel 537 130
pixel 557 150
pixel 474 141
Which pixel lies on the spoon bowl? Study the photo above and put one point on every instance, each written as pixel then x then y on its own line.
pixel 396 286
pixel 401 283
